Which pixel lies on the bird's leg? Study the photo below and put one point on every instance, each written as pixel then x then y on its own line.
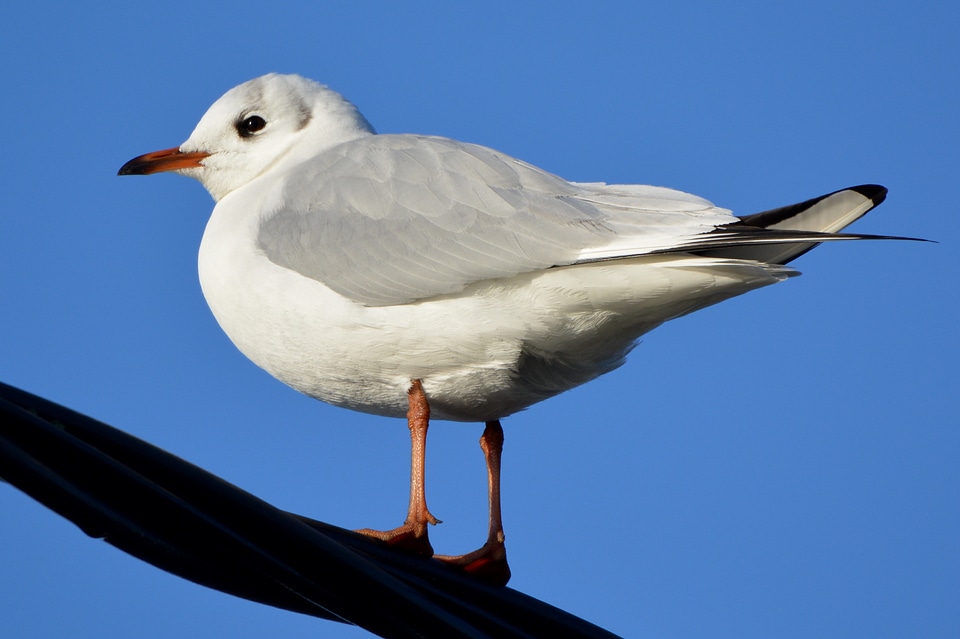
pixel 418 419
pixel 490 561
pixel 412 534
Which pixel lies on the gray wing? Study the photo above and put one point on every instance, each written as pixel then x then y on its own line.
pixel 389 219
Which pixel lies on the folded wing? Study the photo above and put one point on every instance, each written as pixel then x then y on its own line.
pixel 391 219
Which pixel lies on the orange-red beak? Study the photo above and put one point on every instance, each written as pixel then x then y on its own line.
pixel 166 160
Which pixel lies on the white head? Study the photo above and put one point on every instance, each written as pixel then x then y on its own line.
pixel 271 120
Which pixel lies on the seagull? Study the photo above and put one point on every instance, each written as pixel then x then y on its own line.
pixel 418 276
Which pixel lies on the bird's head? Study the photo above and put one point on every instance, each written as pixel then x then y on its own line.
pixel 254 127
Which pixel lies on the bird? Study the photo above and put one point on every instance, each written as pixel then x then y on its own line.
pixel 422 277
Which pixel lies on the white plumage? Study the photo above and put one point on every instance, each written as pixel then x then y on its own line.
pixel 349 264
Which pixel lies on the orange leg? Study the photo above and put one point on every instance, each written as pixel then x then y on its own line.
pixel 490 561
pixel 412 534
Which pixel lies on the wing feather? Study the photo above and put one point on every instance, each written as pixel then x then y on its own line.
pixel 390 219
pixel 394 218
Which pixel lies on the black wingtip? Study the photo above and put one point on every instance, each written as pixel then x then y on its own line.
pixel 873 192
pixel 766 219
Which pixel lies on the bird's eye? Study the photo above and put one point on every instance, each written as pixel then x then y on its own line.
pixel 250 125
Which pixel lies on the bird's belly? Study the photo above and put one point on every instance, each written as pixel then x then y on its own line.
pixel 364 358
pixel 471 354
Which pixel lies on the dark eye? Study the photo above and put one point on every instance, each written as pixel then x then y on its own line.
pixel 250 125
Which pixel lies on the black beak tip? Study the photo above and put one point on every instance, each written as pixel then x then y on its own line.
pixel 133 167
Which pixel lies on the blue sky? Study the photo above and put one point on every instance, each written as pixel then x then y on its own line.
pixel 784 464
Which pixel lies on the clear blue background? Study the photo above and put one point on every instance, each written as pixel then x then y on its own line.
pixel 782 465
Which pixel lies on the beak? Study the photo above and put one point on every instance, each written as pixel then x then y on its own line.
pixel 166 160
